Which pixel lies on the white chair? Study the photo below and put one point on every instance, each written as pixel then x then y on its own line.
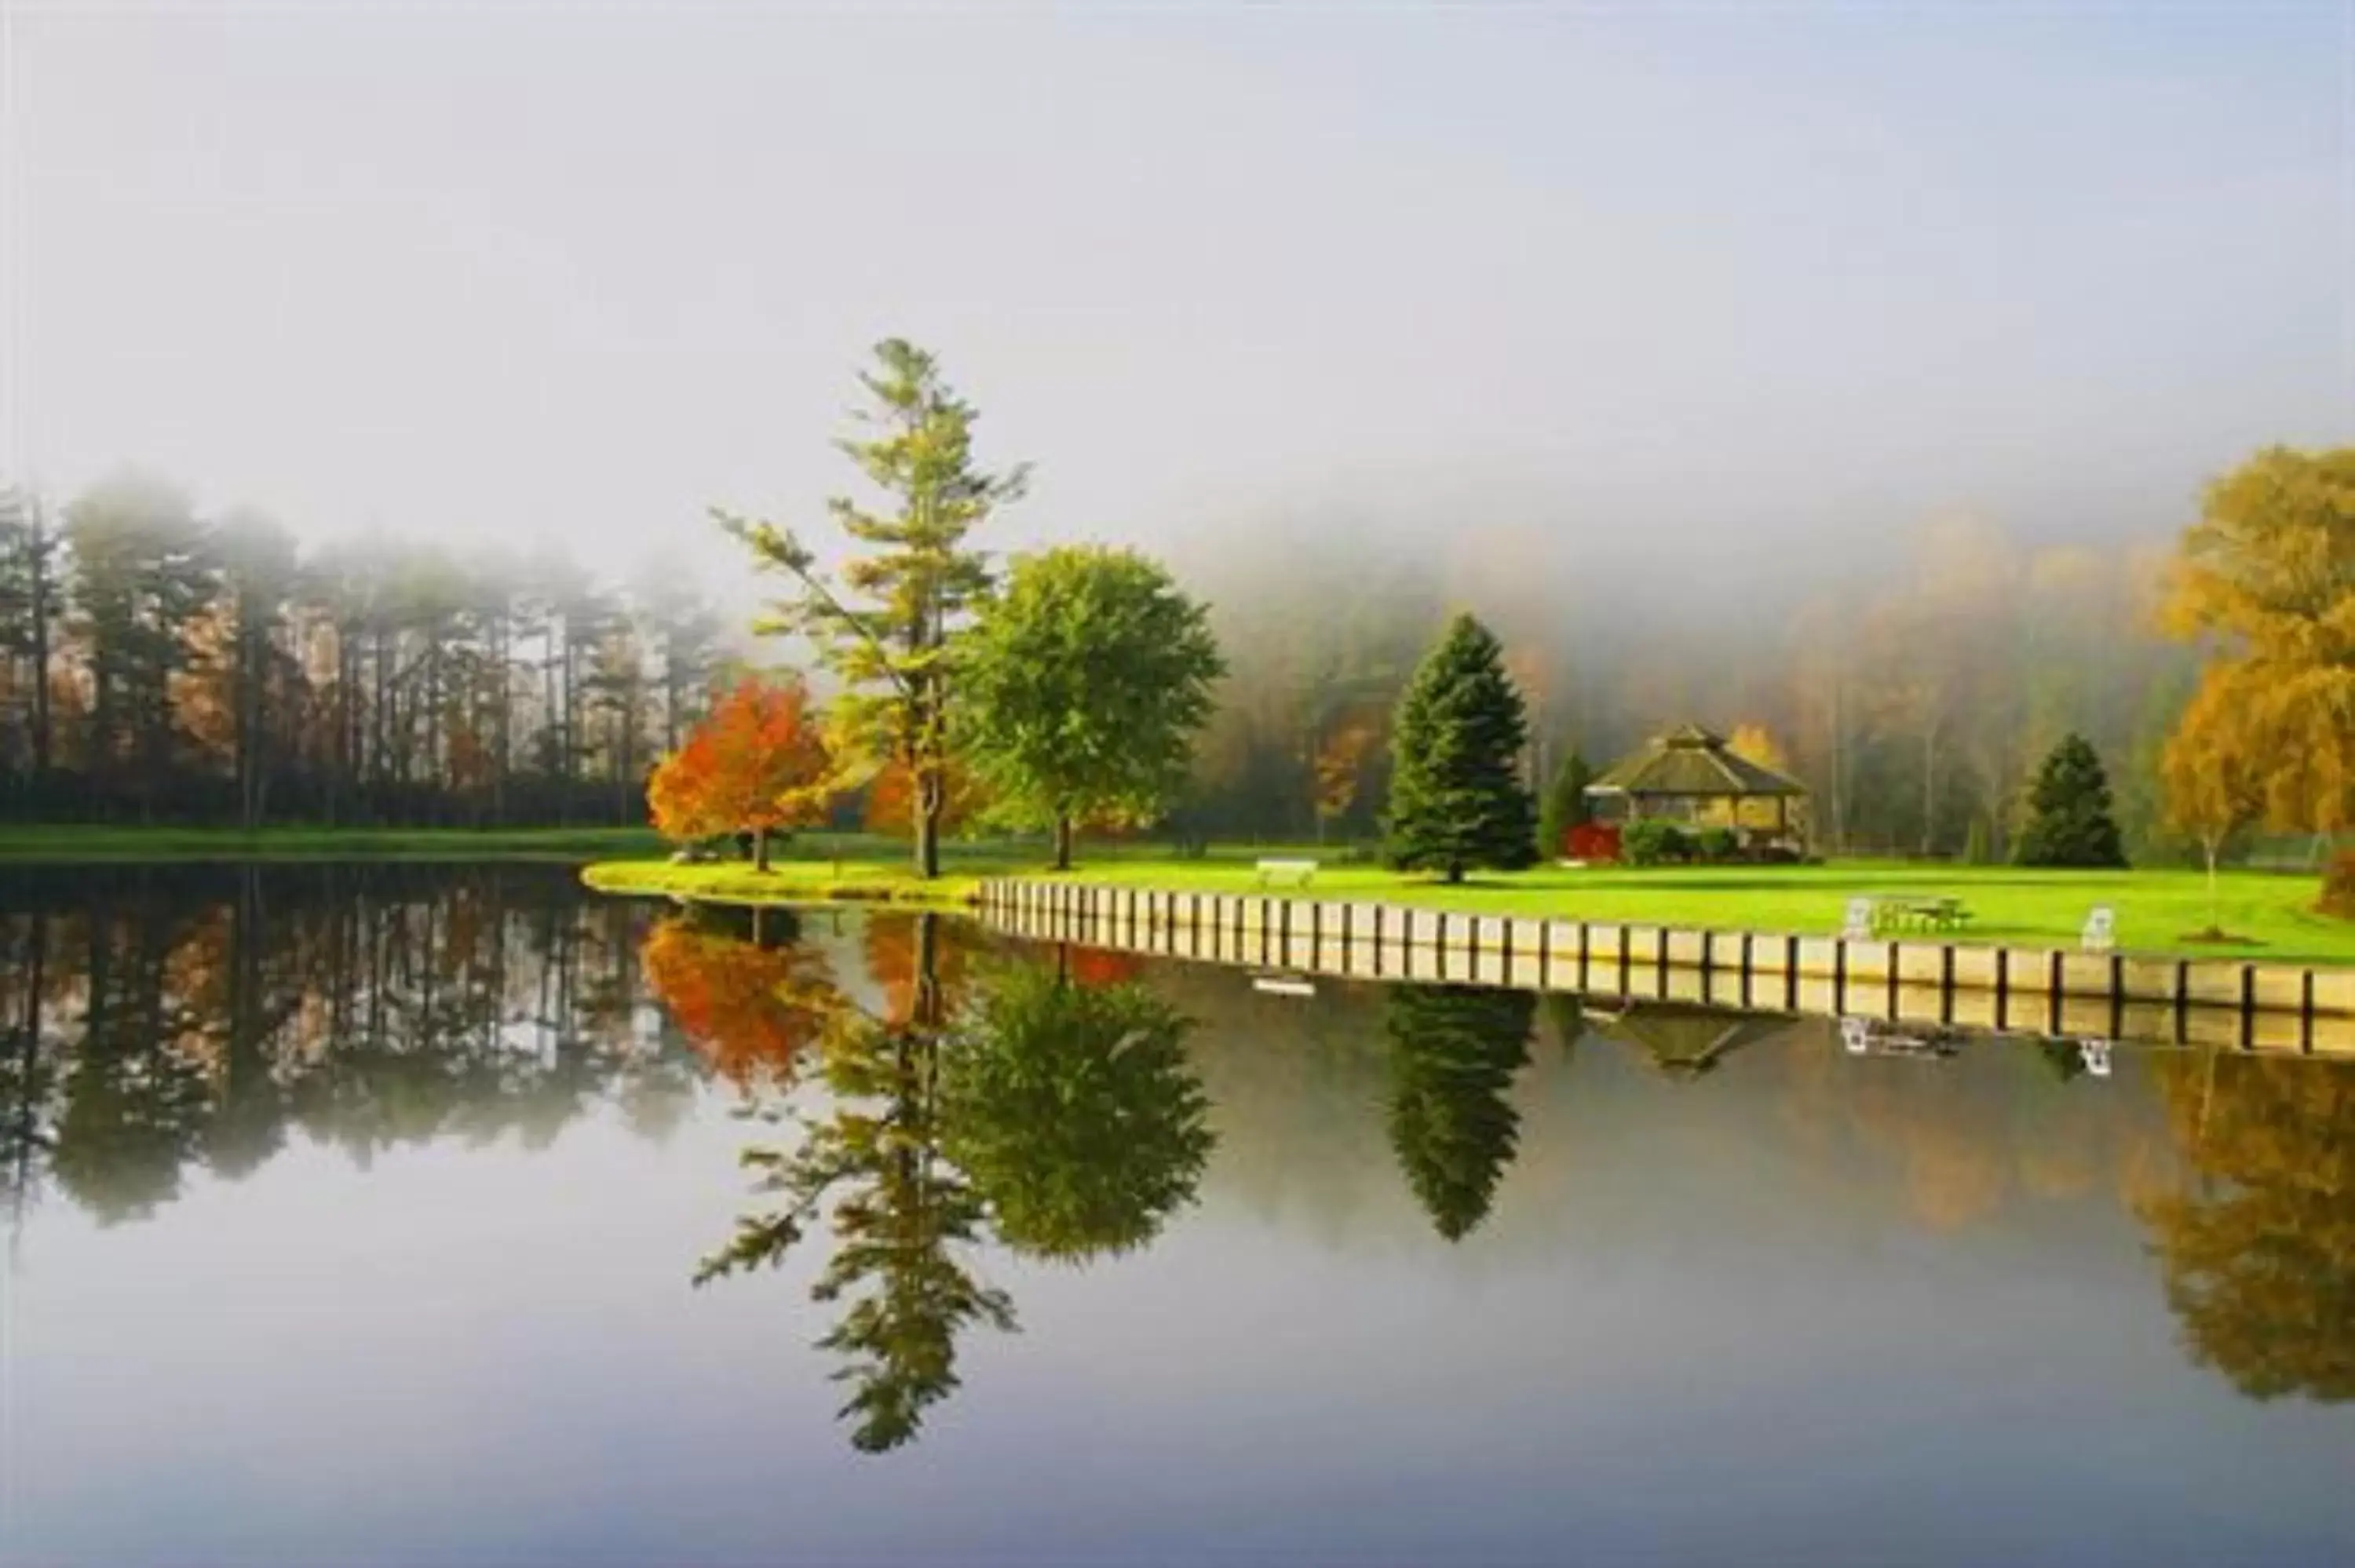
pixel 2101 929
pixel 2095 1055
pixel 1855 1033
pixel 1859 920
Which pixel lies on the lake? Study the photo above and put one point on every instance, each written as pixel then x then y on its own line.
pixel 411 1213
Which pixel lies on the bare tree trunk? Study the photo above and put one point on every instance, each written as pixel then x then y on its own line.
pixel 930 798
pixel 1063 842
pixel 1929 788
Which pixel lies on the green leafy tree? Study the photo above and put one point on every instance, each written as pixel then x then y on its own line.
pixel 888 632
pixel 1075 1112
pixel 1454 1050
pixel 2068 818
pixel 1085 680
pixel 1564 806
pixel 1456 796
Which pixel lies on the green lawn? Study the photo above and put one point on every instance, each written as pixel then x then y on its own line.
pixel 2157 910
pixel 23 842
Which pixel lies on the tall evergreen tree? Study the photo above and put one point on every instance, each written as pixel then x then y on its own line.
pixel 1456 796
pixel 890 638
pixel 2069 820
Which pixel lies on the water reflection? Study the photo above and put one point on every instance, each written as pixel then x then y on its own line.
pixel 165 1020
pixel 2257 1244
pixel 953 1120
pixel 1006 1102
pixel 1452 1053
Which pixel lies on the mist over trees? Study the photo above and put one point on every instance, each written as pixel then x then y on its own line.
pixel 161 666
pixel 1914 691
pixel 207 670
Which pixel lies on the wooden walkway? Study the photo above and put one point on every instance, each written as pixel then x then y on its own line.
pixel 2052 991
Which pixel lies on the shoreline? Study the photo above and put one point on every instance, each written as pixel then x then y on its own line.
pixel 2158 912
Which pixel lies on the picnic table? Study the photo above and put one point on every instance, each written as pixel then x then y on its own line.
pixel 1912 911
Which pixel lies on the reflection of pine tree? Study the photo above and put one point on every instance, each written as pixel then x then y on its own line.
pixel 2259 1256
pixel 1076 1112
pixel 901 1209
pixel 1454 1052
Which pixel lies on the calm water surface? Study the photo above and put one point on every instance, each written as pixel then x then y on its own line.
pixel 357 1215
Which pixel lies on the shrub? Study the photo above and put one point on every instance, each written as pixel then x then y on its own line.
pixel 1652 842
pixel 1717 845
pixel 1597 843
pixel 2338 886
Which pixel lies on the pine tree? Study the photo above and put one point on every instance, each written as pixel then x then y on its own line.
pixel 2069 820
pixel 1456 796
pixel 1564 806
pixel 891 638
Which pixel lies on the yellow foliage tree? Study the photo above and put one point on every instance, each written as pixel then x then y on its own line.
pixel 2269 573
pixel 2214 770
pixel 1755 742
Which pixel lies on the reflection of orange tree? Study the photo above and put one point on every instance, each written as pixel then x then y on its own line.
pixel 2258 1244
pixel 749 1010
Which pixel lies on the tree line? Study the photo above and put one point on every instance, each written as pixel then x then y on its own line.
pixel 161 666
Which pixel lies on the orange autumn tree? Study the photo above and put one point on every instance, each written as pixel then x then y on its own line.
pixel 758 763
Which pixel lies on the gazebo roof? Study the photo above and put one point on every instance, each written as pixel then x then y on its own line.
pixel 1689 760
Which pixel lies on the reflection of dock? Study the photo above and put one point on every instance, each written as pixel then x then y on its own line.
pixel 2042 992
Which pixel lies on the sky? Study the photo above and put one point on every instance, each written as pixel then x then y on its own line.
pixel 1700 281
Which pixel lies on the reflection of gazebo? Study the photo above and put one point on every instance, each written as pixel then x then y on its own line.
pixel 1691 777
pixel 1686 1042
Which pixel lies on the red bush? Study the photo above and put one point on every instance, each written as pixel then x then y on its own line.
pixel 1593 842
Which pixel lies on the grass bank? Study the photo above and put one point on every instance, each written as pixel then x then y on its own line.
pixel 2157 911
pixel 785 882
pixel 28 844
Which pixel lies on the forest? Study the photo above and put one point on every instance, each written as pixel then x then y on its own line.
pixel 161 666
pixel 158 666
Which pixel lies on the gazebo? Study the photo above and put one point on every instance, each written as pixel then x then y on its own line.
pixel 1693 778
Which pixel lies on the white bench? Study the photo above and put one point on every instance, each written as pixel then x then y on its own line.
pixel 1273 873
